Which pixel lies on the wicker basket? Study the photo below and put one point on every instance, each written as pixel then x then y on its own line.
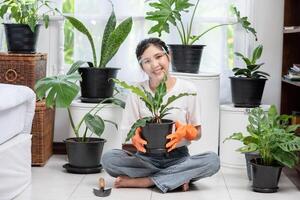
pixel 22 69
pixel 42 134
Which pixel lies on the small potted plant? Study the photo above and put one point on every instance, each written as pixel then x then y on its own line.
pixel 186 56
pixel 95 83
pixel 247 84
pixel 275 140
pixel 156 127
pixel 23 29
pixel 84 152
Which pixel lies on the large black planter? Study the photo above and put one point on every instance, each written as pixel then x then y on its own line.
pixel 20 38
pixel 96 83
pixel 247 92
pixel 155 135
pixel 249 156
pixel 84 154
pixel 186 58
pixel 265 178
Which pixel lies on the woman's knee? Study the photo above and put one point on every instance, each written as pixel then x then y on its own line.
pixel 213 161
pixel 108 159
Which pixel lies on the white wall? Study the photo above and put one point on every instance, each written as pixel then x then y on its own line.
pixel 268 22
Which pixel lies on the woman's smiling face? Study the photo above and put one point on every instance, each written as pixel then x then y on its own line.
pixel 155 62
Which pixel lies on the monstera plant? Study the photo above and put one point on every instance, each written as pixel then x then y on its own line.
pixel 187 56
pixel 156 127
pixel 96 84
pixel 84 152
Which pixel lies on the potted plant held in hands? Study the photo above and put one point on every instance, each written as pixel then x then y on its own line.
pixel 96 84
pixel 23 29
pixel 84 152
pixel 276 142
pixel 247 84
pixel 156 127
pixel 186 56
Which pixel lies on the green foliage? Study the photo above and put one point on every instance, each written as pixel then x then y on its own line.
pixel 154 103
pixel 169 12
pixel 271 136
pixel 61 90
pixel 68 7
pixel 27 11
pixel 112 39
pixel 251 70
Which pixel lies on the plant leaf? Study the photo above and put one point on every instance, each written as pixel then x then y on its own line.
pixel 139 123
pixel 114 41
pixel 75 66
pixel 94 123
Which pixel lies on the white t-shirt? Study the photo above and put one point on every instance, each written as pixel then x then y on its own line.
pixel 188 112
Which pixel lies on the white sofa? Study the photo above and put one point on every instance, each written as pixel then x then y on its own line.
pixel 17 104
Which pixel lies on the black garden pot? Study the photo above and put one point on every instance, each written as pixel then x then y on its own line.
pixel 249 156
pixel 20 38
pixel 155 135
pixel 96 83
pixel 84 154
pixel 247 92
pixel 186 58
pixel 265 178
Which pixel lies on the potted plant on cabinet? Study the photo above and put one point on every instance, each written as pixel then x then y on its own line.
pixel 247 84
pixel 156 127
pixel 84 152
pixel 95 83
pixel 186 56
pixel 25 15
pixel 276 142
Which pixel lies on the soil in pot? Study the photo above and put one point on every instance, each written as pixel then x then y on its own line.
pixel 155 134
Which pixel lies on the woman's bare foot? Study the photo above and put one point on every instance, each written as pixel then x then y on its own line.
pixel 125 181
pixel 185 187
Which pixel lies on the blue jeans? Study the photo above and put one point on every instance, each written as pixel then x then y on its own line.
pixel 167 171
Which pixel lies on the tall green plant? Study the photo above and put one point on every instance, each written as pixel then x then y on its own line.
pixel 154 103
pixel 271 135
pixel 251 70
pixel 27 11
pixel 169 12
pixel 61 90
pixel 112 39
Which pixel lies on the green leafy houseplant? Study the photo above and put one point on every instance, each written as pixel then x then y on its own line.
pixel 169 12
pixel 271 136
pixel 61 90
pixel 154 103
pixel 112 39
pixel 27 11
pixel 251 70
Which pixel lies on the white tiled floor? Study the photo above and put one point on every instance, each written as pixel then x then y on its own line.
pixel 51 182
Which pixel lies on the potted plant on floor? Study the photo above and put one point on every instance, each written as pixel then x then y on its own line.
pixel 156 127
pixel 276 143
pixel 247 84
pixel 25 15
pixel 96 84
pixel 186 56
pixel 84 152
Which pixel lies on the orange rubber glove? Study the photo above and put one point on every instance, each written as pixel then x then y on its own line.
pixel 187 131
pixel 137 141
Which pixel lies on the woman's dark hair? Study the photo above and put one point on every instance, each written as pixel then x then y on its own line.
pixel 144 44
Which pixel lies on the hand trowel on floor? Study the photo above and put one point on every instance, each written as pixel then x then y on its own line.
pixel 102 191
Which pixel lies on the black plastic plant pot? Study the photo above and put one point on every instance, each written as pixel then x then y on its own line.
pixel 84 154
pixel 249 156
pixel 247 92
pixel 186 58
pixel 20 38
pixel 155 134
pixel 96 83
pixel 265 178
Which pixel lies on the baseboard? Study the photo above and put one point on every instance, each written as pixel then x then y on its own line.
pixel 59 148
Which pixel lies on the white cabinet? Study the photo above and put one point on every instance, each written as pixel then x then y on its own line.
pixel 208 85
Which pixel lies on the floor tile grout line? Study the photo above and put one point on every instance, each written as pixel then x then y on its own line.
pixel 76 187
pixel 226 185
